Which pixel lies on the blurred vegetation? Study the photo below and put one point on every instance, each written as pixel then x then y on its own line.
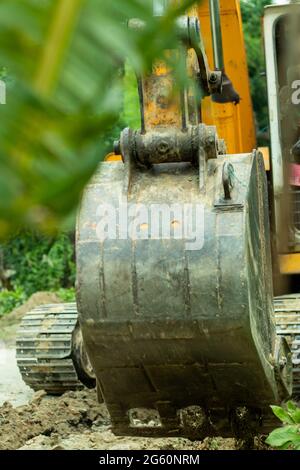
pixel 252 13
pixel 34 262
pixel 130 115
pixel 64 59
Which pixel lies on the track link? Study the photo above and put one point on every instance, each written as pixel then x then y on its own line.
pixel 50 353
pixel 287 315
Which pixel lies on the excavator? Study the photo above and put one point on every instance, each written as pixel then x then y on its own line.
pixel 184 236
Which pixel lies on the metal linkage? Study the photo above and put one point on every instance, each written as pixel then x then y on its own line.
pixel 170 145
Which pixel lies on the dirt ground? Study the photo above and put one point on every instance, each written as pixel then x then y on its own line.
pixel 77 421
pixel 74 421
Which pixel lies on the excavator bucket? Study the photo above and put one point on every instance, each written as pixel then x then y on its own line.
pixel 174 330
pixel 174 282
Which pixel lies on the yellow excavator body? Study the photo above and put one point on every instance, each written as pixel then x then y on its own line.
pixel 235 123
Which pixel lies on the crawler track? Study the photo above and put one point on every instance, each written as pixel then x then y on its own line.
pixel 50 352
pixel 287 314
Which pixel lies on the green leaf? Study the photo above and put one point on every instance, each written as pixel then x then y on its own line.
pixel 291 406
pixel 286 446
pixel 282 436
pixel 281 414
pixel 296 416
pixel 294 412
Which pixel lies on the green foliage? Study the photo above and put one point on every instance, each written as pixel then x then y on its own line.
pixel 30 263
pixel 67 295
pixel 286 437
pixel 9 300
pixel 37 263
pixel 252 12
pixel 131 108
pixel 3 73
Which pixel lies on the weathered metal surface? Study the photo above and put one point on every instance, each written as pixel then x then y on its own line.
pixel 167 328
pixel 170 145
pixel 164 100
pixel 50 352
